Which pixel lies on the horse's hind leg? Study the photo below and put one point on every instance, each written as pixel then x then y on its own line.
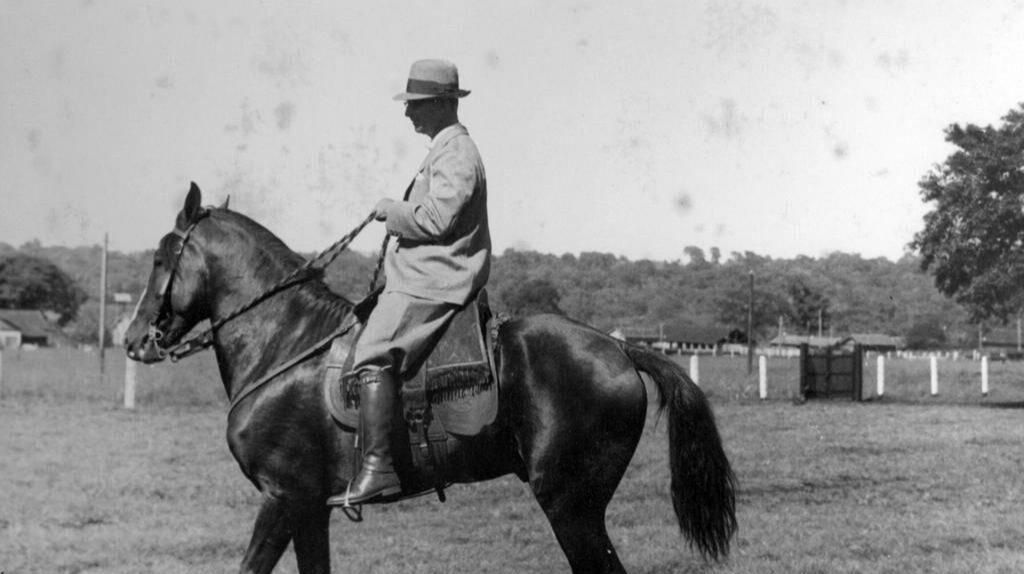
pixel 576 407
pixel 574 492
pixel 580 529
pixel 270 537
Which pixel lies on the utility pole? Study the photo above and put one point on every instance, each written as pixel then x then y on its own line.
pixel 103 304
pixel 750 326
pixel 1018 332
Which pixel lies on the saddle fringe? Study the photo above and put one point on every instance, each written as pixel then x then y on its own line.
pixel 446 383
pixel 457 381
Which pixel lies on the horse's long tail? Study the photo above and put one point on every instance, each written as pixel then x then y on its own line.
pixel 703 483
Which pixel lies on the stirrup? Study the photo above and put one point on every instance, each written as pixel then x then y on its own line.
pixel 353 512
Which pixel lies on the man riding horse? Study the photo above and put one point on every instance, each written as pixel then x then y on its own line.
pixel 440 261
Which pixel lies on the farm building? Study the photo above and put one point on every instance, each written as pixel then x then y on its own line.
pixel 1001 341
pixel 876 342
pixel 795 341
pixel 25 327
pixel 689 339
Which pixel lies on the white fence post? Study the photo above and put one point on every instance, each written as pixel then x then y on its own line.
pixel 881 375
pixel 695 369
pixel 762 367
pixel 935 375
pixel 984 376
pixel 129 383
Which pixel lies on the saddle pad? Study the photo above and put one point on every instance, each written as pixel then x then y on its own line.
pixel 458 379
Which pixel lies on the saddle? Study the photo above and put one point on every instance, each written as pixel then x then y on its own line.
pixel 453 396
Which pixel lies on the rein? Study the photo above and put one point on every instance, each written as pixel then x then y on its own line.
pixel 322 344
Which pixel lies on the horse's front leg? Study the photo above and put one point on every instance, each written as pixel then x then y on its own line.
pixel 311 524
pixel 270 538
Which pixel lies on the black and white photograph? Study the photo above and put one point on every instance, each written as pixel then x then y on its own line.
pixel 716 287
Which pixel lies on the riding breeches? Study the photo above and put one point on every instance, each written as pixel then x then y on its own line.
pixel 400 332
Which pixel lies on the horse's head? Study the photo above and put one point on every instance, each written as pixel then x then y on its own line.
pixel 174 300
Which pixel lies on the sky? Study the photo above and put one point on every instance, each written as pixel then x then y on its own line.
pixel 783 128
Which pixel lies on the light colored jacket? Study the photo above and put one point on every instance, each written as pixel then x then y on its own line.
pixel 443 249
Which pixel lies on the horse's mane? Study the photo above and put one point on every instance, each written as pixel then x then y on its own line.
pixel 273 253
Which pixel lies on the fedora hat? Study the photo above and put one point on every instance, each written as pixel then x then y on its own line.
pixel 432 79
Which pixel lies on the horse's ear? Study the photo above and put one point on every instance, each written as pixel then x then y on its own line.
pixel 193 207
pixel 225 204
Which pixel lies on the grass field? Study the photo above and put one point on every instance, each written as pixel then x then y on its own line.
pixel 907 484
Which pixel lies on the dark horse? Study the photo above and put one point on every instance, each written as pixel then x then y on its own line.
pixel 572 402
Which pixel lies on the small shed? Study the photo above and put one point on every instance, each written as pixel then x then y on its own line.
pixel 25 327
pixel 683 338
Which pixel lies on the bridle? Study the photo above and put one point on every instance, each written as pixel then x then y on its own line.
pixel 166 310
pixel 307 272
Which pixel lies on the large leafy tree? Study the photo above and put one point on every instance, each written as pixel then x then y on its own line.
pixel 532 297
pixel 927 333
pixel 770 301
pixel 973 238
pixel 28 282
pixel 808 303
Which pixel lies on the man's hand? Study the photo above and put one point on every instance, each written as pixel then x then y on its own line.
pixel 380 211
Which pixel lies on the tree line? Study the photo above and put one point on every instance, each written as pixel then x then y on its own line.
pixel 839 293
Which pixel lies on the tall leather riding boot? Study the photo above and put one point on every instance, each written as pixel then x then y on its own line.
pixel 377 478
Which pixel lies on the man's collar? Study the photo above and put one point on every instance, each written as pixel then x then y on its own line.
pixel 442 137
pixel 444 134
